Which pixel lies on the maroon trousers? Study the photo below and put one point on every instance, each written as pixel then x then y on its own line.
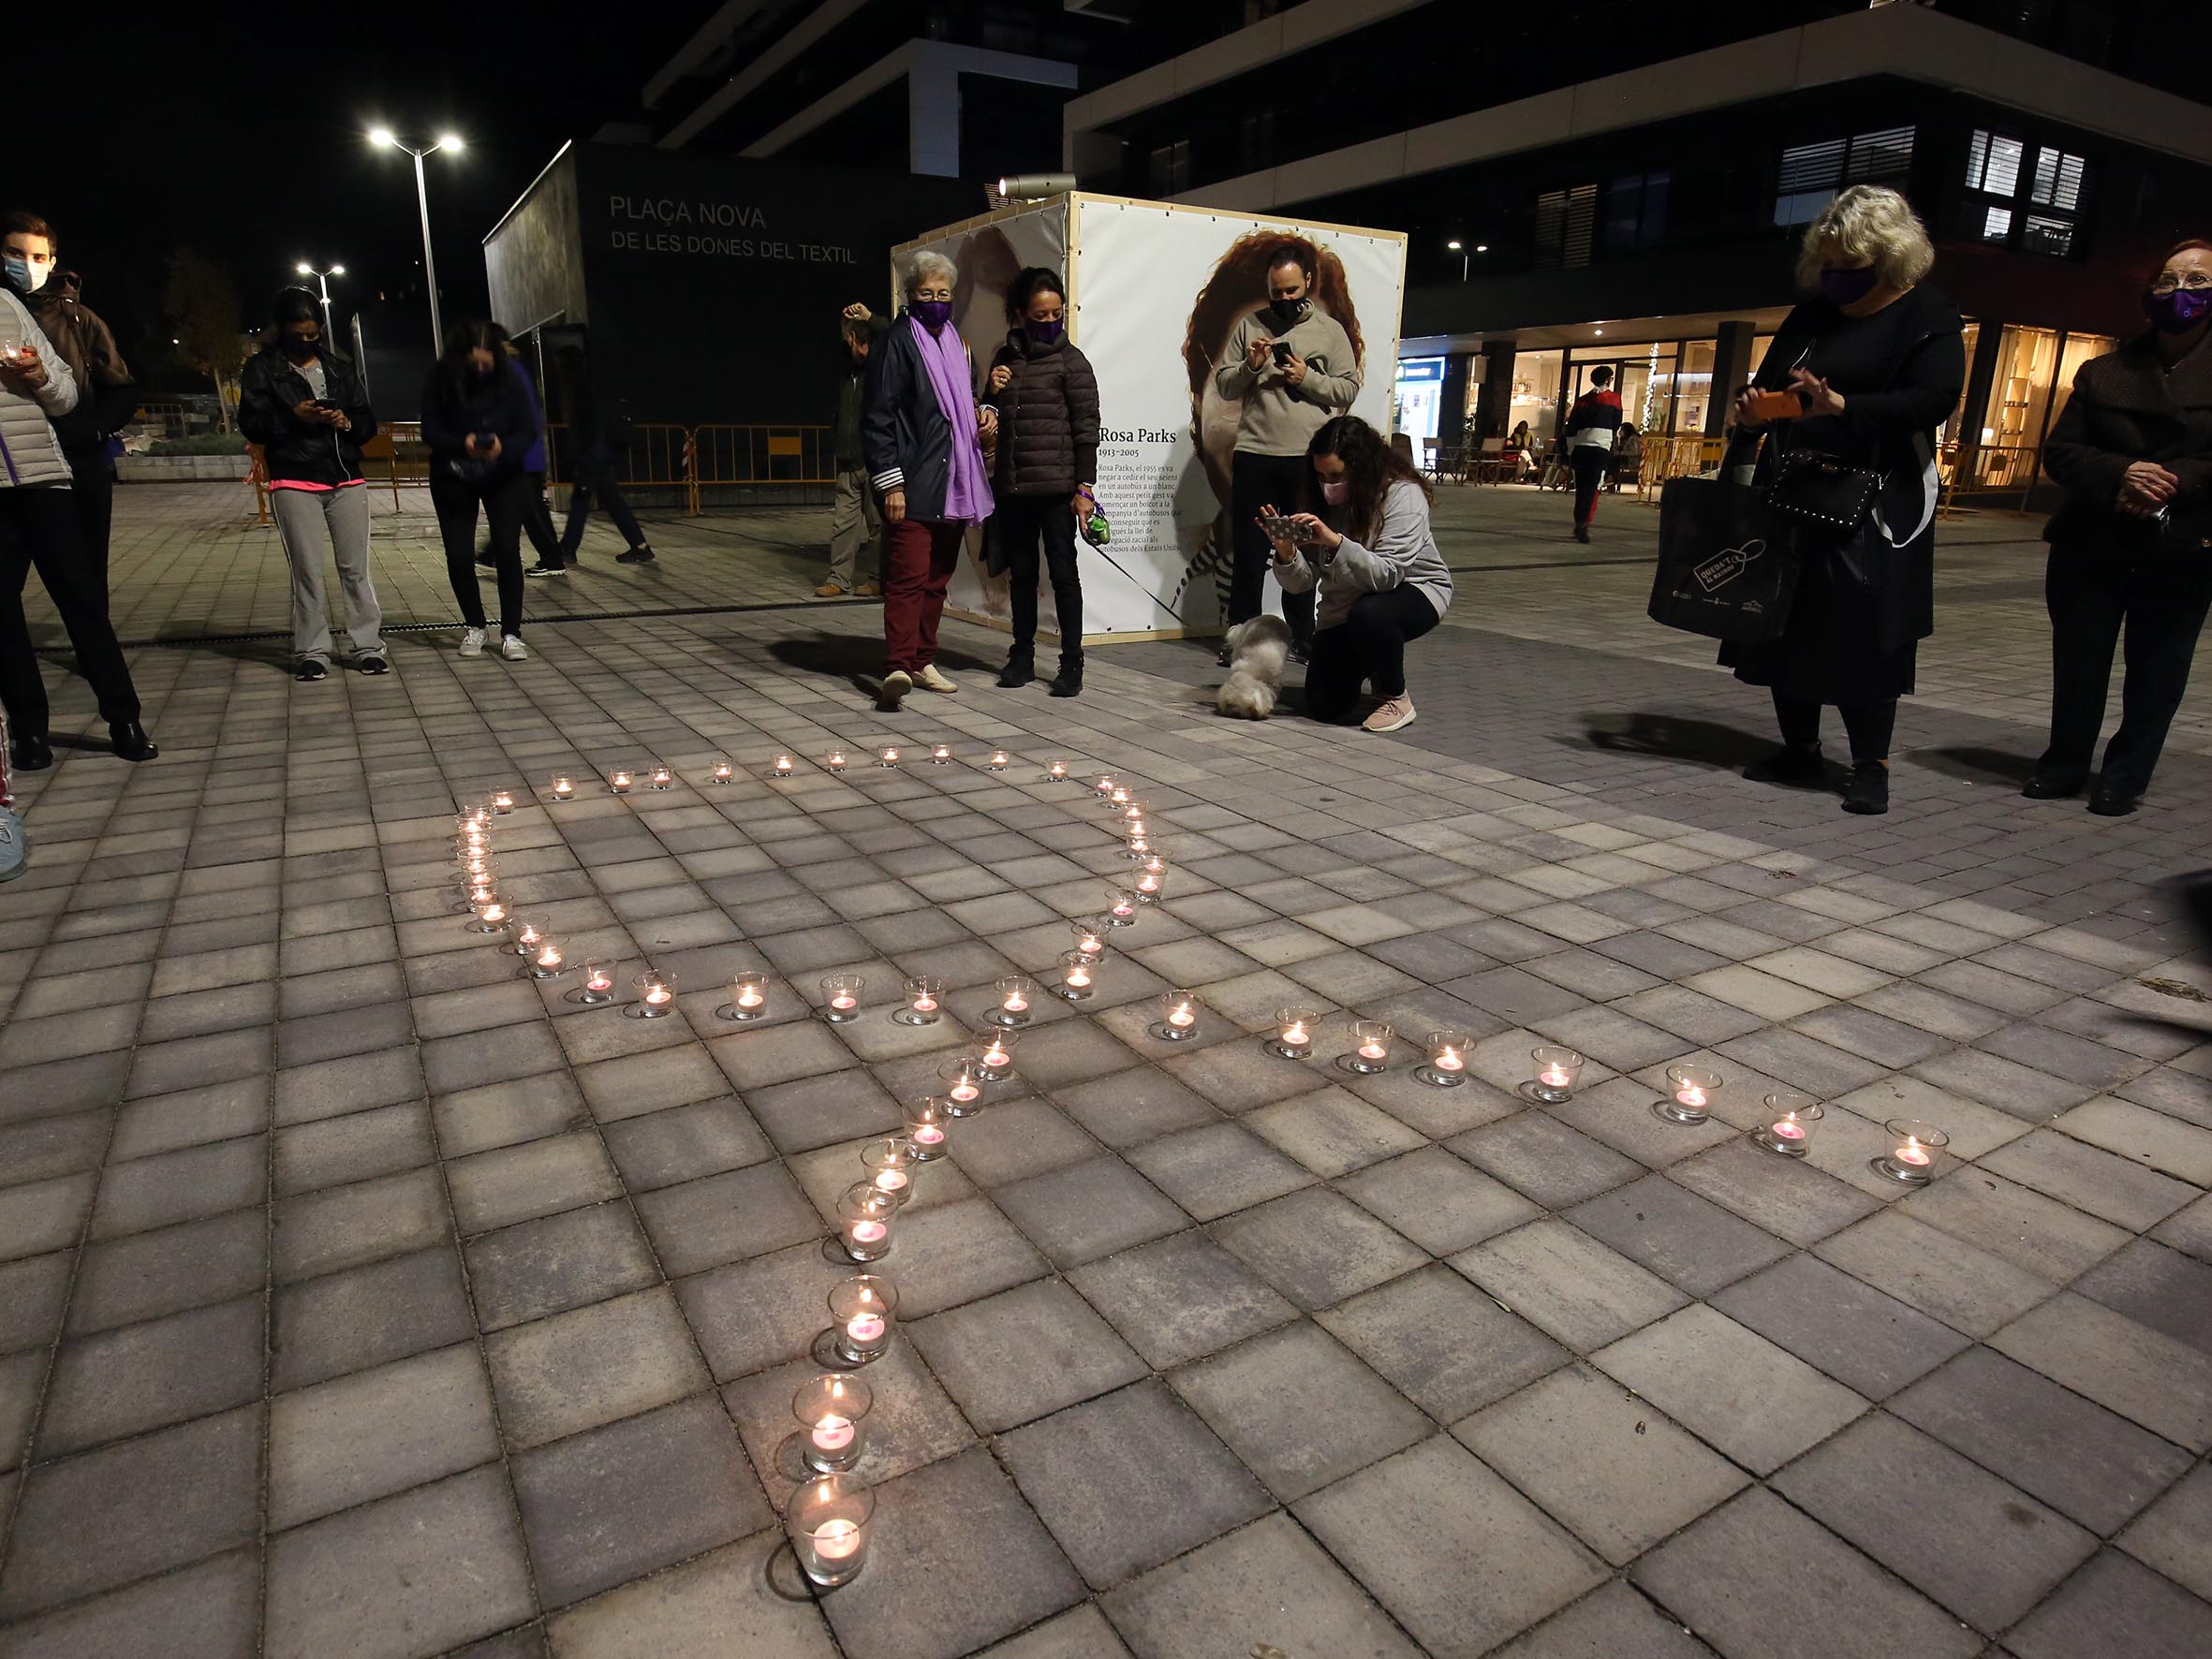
pixel 918 558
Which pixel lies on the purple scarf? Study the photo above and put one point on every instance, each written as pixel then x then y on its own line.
pixel 967 492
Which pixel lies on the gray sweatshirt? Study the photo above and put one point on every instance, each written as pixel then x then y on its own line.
pixel 1405 556
pixel 30 454
pixel 1280 419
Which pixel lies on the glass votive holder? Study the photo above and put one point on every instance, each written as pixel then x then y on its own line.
pixel 529 933
pixel 1103 788
pixel 477 813
pixel 476 864
pixel 1178 1017
pixel 997 762
pixel 1077 981
pixel 503 802
pixel 661 776
pixel 835 760
pixel 865 1214
pixel 1790 1119
pixel 1151 880
pixel 1137 848
pixel 925 1002
pixel 827 1521
pixel 996 1064
pixel 926 1118
pixel 782 766
pixel 890 1162
pixel 597 987
pixel 1121 907
pixel 888 756
pixel 1017 1002
pixel 1293 1032
pixel 748 997
pixel 722 770
pixel 548 962
pixel 841 997
pixel 1133 813
pixel 656 994
pixel 1118 796
pixel 862 1310
pixel 491 915
pixel 1057 772
pixel 478 890
pixel 1446 1065
pixel 620 779
pixel 1689 1094
pixel 941 754
pixel 833 1413
pixel 964 1086
pixel 1090 936
pixel 1370 1048
pixel 563 787
pixel 1558 1071
pixel 1911 1162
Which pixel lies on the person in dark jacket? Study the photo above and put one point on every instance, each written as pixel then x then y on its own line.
pixel 922 436
pixel 2132 544
pixel 306 407
pixel 593 427
pixel 106 397
pixel 478 424
pixel 537 515
pixel 1876 364
pixel 1047 400
pixel 855 502
pixel 1592 425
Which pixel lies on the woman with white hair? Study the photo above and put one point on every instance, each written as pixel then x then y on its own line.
pixel 1874 365
pixel 922 436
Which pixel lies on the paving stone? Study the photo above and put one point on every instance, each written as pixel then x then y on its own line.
pixel 496 1189
pixel 707 1609
pixel 724 1218
pixel 345 1226
pixel 2113 1605
pixel 2161 1288
pixel 1611 1619
pixel 1023 1137
pixel 208 1612
pixel 353 1148
pixel 954 1255
pixel 2175 1535
pixel 33 1293
pixel 557 1262
pixel 578 1369
pixel 1448 1346
pixel 508 1112
pixel 346 1321
pixel 2138 1372
pixel 685 1142
pixel 1023 1353
pixel 1129 1107
pixel 1331 1131
pixel 1535 1153
pixel 141 1376
pixel 760 1312
pixel 2144 1136
pixel 1317 1247
pixel 911 1423
pixel 1568 1284
pixel 377 1433
pixel 1088 1209
pixel 145 1275
pixel 1679 1235
pixel 2108 1186
pixel 1438 1200
pixel 1958 1283
pixel 171 1187
pixel 1215 1171
pixel 822 1110
pixel 1179 1297
pixel 1870 1343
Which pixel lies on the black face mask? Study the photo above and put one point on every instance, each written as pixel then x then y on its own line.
pixel 1287 312
pixel 298 350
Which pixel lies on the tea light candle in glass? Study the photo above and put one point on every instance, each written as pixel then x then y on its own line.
pixel 503 802
pixel 889 756
pixel 782 768
pixel 964 1086
pixel 1057 772
pixel 476 813
pixel 997 761
pixel 491 915
pixel 1090 936
pixel 529 932
pixel 564 786
pixel 1151 880
pixel 862 1310
pixel 1911 1162
pixel 1789 1118
pixel 1118 796
pixel 890 1163
pixel 660 777
pixel 619 780
pixel 656 994
pixel 1446 1067
pixel 836 760
pixel 1017 1002
pixel 1293 1032
pixel 925 1002
pixel 1077 983
pixel 1121 908
pixel 1137 848
pixel 1558 1071
pixel 748 997
pixel 833 1413
pixel 827 1521
pixel 941 754
pixel 1370 1048
pixel 723 771
pixel 1178 1017
pixel 926 1118
pixel 865 1214
pixel 996 1064
pixel 549 962
pixel 841 997
pixel 1103 788
pixel 1690 1096
pixel 597 987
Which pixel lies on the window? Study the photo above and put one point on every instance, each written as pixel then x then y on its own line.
pixel 1171 168
pixel 1811 174
pixel 1992 164
pixel 1636 211
pixel 2058 177
pixel 2043 234
pixel 1996 223
pixel 1566 221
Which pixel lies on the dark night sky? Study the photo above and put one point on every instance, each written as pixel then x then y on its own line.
pixel 237 131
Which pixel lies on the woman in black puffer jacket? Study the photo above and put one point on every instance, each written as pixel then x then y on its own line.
pixel 1047 400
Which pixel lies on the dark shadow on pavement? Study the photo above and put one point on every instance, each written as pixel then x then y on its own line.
pixel 1977 765
pixel 858 658
pixel 1702 743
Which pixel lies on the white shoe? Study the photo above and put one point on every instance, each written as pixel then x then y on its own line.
pixel 895 686
pixel 930 680
pixel 513 648
pixel 1393 713
pixel 472 642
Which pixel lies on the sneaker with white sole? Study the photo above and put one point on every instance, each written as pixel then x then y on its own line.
pixel 515 651
pixel 541 570
pixel 895 686
pixel 1395 712
pixel 930 680
pixel 15 845
pixel 472 641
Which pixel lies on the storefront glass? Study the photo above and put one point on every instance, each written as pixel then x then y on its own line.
pixel 2079 349
pixel 2020 391
pixel 1536 393
pixel 1692 387
pixel 1416 399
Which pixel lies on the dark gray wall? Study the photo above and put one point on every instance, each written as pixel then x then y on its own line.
pixel 534 259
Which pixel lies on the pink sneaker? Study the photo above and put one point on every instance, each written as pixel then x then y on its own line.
pixel 1395 712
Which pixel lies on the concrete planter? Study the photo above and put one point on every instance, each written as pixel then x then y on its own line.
pixel 181 469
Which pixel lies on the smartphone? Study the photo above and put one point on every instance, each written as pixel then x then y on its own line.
pixel 325 403
pixel 1282 354
pixel 1775 405
pixel 1305 536
pixel 1279 529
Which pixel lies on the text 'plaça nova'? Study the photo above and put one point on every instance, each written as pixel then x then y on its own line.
pixel 666 209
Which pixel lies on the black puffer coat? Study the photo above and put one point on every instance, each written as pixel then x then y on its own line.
pixel 1048 417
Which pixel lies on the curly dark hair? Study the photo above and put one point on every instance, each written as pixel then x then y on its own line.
pixel 1371 466
pixel 1032 281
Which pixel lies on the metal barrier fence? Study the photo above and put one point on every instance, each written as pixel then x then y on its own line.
pixel 1989 470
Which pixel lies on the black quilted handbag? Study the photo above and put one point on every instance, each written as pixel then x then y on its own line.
pixel 1811 488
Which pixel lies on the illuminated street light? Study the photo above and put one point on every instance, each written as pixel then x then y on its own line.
pixel 385 139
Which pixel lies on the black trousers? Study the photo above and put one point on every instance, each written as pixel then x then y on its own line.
pixel 1256 481
pixel 537 522
pixel 455 501
pixel 2092 592
pixel 1368 645
pixel 596 479
pixel 93 485
pixel 1869 725
pixel 39 526
pixel 1590 466
pixel 1023 522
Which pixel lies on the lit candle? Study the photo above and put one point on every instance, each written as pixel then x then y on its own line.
pixel 723 771
pixel 1123 909
pixel 597 983
pixel 844 1000
pixel 834 1432
pixel 503 802
pixel 1075 978
pixel 893 1181
pixel 1689 1094
pixel 1554 1076
pixel 1015 1003
pixel 925 1129
pixel 1181 1015
pixel 997 760
pixel 548 958
pixel 965 1089
pixel 527 936
pixel 1911 1151
pixel 1148 882
pixel 1057 772
pixel 661 777
pixel 926 1135
pixel 619 781
pixel 996 1058
pixel 750 998
pixel 658 995
pixel 925 1004
pixel 1447 1059
pixel 1102 788
pixel 1374 1051
pixel 564 789
pixel 836 760
pixel 837 1540
pixel 1294 1034
pixel 491 912
pixel 941 754
pixel 1120 795
pixel 865 1327
pixel 889 757
pixel 782 767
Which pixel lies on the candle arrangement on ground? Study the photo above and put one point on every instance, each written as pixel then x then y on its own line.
pixel 1370 1049
pixel 996 1064
pixel 833 1413
pixel 563 787
pixel 1178 1017
pixel 748 997
pixel 1689 1099
pixel 835 760
pixel 997 762
pixel 827 1521
pixel 503 802
pixel 1911 1162
pixel 964 1086
pixel 861 1313
pixel 865 1214
pixel 1090 936
pixel 941 756
pixel 1077 984
pixel 1057 772
pixel 890 1163
pixel 529 932
pixel 782 768
pixel 550 962
pixel 1017 1002
pixel 926 1118
pixel 1446 1067
pixel 597 987
pixel 1558 1071
pixel 1293 1032
pixel 656 994
pixel 724 769
pixel 1789 1126
pixel 841 997
pixel 619 780
pixel 924 1004
pixel 1121 907
pixel 660 777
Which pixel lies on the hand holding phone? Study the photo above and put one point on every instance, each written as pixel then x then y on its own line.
pixel 1774 406
pixel 1281 352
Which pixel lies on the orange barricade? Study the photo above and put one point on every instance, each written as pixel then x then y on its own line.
pixel 256 474
pixel 755 457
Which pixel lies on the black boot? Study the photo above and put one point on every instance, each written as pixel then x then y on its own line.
pixel 1020 668
pixel 26 753
pixel 130 740
pixel 1868 791
pixel 1069 681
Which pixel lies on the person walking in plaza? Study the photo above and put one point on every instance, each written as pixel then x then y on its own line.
pixel 922 436
pixel 1372 558
pixel 1047 472
pixel 1592 425
pixel 38 526
pixel 15 841
pixel 307 408
pixel 537 515
pixel 2132 544
pixel 107 398
pixel 1875 364
pixel 854 510
pixel 598 433
pixel 478 424
pixel 1292 367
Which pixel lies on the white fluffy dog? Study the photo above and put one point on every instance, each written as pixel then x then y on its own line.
pixel 1257 651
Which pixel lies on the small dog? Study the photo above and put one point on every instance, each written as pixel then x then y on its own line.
pixel 1257 651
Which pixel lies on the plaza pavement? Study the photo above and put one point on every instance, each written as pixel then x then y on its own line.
pixel 359 1297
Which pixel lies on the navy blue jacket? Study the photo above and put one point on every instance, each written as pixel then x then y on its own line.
pixel 501 407
pixel 906 440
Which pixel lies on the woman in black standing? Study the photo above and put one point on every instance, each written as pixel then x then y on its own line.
pixel 479 423
pixel 2133 542
pixel 1047 400
pixel 1875 365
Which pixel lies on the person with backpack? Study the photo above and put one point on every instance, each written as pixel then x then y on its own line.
pixel 598 433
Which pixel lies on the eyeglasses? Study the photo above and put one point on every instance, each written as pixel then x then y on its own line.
pixel 2196 281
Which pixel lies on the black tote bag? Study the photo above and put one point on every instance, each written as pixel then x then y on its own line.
pixel 1728 564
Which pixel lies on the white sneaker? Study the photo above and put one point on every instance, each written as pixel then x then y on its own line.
pixel 895 686
pixel 472 641
pixel 513 648
pixel 930 680
pixel 1393 713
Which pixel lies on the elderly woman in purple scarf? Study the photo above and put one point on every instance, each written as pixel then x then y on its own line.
pixel 922 436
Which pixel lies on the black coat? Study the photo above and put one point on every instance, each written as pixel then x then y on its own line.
pixel 270 389
pixel 905 441
pixel 1048 417
pixel 501 407
pixel 2128 407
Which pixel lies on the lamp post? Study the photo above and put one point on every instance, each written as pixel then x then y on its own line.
pixel 322 281
pixel 384 138
pixel 1456 246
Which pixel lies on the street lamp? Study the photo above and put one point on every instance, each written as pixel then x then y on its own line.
pixel 322 280
pixel 385 139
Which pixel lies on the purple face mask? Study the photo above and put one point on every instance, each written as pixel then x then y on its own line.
pixel 1847 286
pixel 934 314
pixel 2179 312
pixel 1335 491
pixel 1045 333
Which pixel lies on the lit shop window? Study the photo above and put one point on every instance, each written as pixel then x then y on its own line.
pixel 1992 164
pixel 1811 174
